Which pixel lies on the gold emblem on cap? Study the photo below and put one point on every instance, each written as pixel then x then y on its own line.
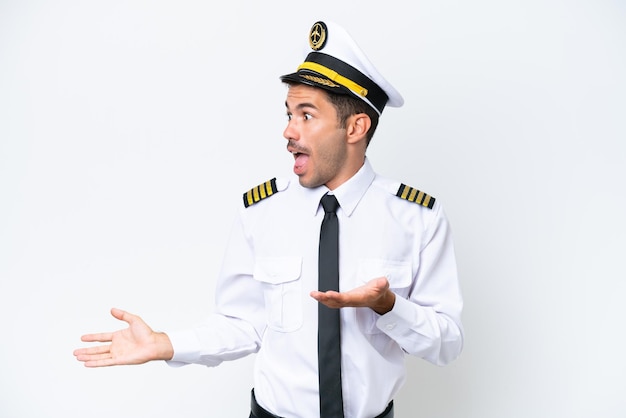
pixel 318 35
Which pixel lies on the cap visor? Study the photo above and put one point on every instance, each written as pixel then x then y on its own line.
pixel 316 80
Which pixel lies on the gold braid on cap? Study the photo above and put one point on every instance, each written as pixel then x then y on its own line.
pixel 334 76
pixel 320 80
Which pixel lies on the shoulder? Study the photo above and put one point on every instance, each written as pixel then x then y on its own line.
pixel 406 193
pixel 264 190
pixel 416 196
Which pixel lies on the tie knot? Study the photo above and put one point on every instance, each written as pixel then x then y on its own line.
pixel 329 203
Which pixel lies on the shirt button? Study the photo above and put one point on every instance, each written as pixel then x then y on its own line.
pixel 390 326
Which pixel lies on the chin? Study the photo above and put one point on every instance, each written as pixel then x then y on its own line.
pixel 307 183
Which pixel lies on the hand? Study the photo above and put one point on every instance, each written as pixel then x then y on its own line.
pixel 136 344
pixel 374 294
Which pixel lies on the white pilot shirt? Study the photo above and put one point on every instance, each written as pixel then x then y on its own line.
pixel 263 304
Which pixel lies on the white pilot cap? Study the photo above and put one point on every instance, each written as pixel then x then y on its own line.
pixel 336 63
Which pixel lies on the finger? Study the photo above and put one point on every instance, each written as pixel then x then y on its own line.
pixel 330 298
pixel 316 295
pixel 100 363
pixel 93 357
pixel 322 296
pixel 92 350
pixel 101 337
pixel 327 294
pixel 336 298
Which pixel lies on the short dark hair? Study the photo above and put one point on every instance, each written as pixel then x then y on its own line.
pixel 347 106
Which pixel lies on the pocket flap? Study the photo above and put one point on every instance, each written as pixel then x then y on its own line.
pixel 276 270
pixel 398 273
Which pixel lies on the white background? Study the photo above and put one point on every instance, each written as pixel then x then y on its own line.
pixel 130 129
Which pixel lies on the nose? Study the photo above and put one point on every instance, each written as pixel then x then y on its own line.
pixel 290 131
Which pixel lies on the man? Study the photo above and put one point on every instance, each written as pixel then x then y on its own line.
pixel 397 289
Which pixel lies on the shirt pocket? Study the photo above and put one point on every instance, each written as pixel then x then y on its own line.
pixel 280 277
pixel 400 277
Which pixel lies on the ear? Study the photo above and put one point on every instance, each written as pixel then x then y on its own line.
pixel 358 126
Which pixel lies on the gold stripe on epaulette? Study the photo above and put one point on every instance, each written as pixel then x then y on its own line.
pixel 260 192
pixel 415 196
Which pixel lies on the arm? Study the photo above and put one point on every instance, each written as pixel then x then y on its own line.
pixel 136 344
pixel 234 330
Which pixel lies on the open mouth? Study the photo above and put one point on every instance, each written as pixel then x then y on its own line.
pixel 300 161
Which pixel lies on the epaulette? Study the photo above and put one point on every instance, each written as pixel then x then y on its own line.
pixel 415 196
pixel 260 192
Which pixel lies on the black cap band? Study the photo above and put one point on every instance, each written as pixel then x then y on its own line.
pixel 333 70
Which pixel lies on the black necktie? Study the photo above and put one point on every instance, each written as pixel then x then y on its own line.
pixel 328 338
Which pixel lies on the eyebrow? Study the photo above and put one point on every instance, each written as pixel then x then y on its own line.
pixel 301 106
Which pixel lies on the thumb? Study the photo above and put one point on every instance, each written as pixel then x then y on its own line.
pixel 382 283
pixel 121 315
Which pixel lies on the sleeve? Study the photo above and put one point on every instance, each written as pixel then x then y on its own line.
pixel 427 324
pixel 234 330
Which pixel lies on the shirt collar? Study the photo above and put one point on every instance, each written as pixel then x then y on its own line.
pixel 349 194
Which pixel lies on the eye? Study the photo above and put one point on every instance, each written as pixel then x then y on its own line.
pixel 289 117
pixel 307 116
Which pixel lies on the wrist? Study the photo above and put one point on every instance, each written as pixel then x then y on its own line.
pixel 387 301
pixel 163 347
